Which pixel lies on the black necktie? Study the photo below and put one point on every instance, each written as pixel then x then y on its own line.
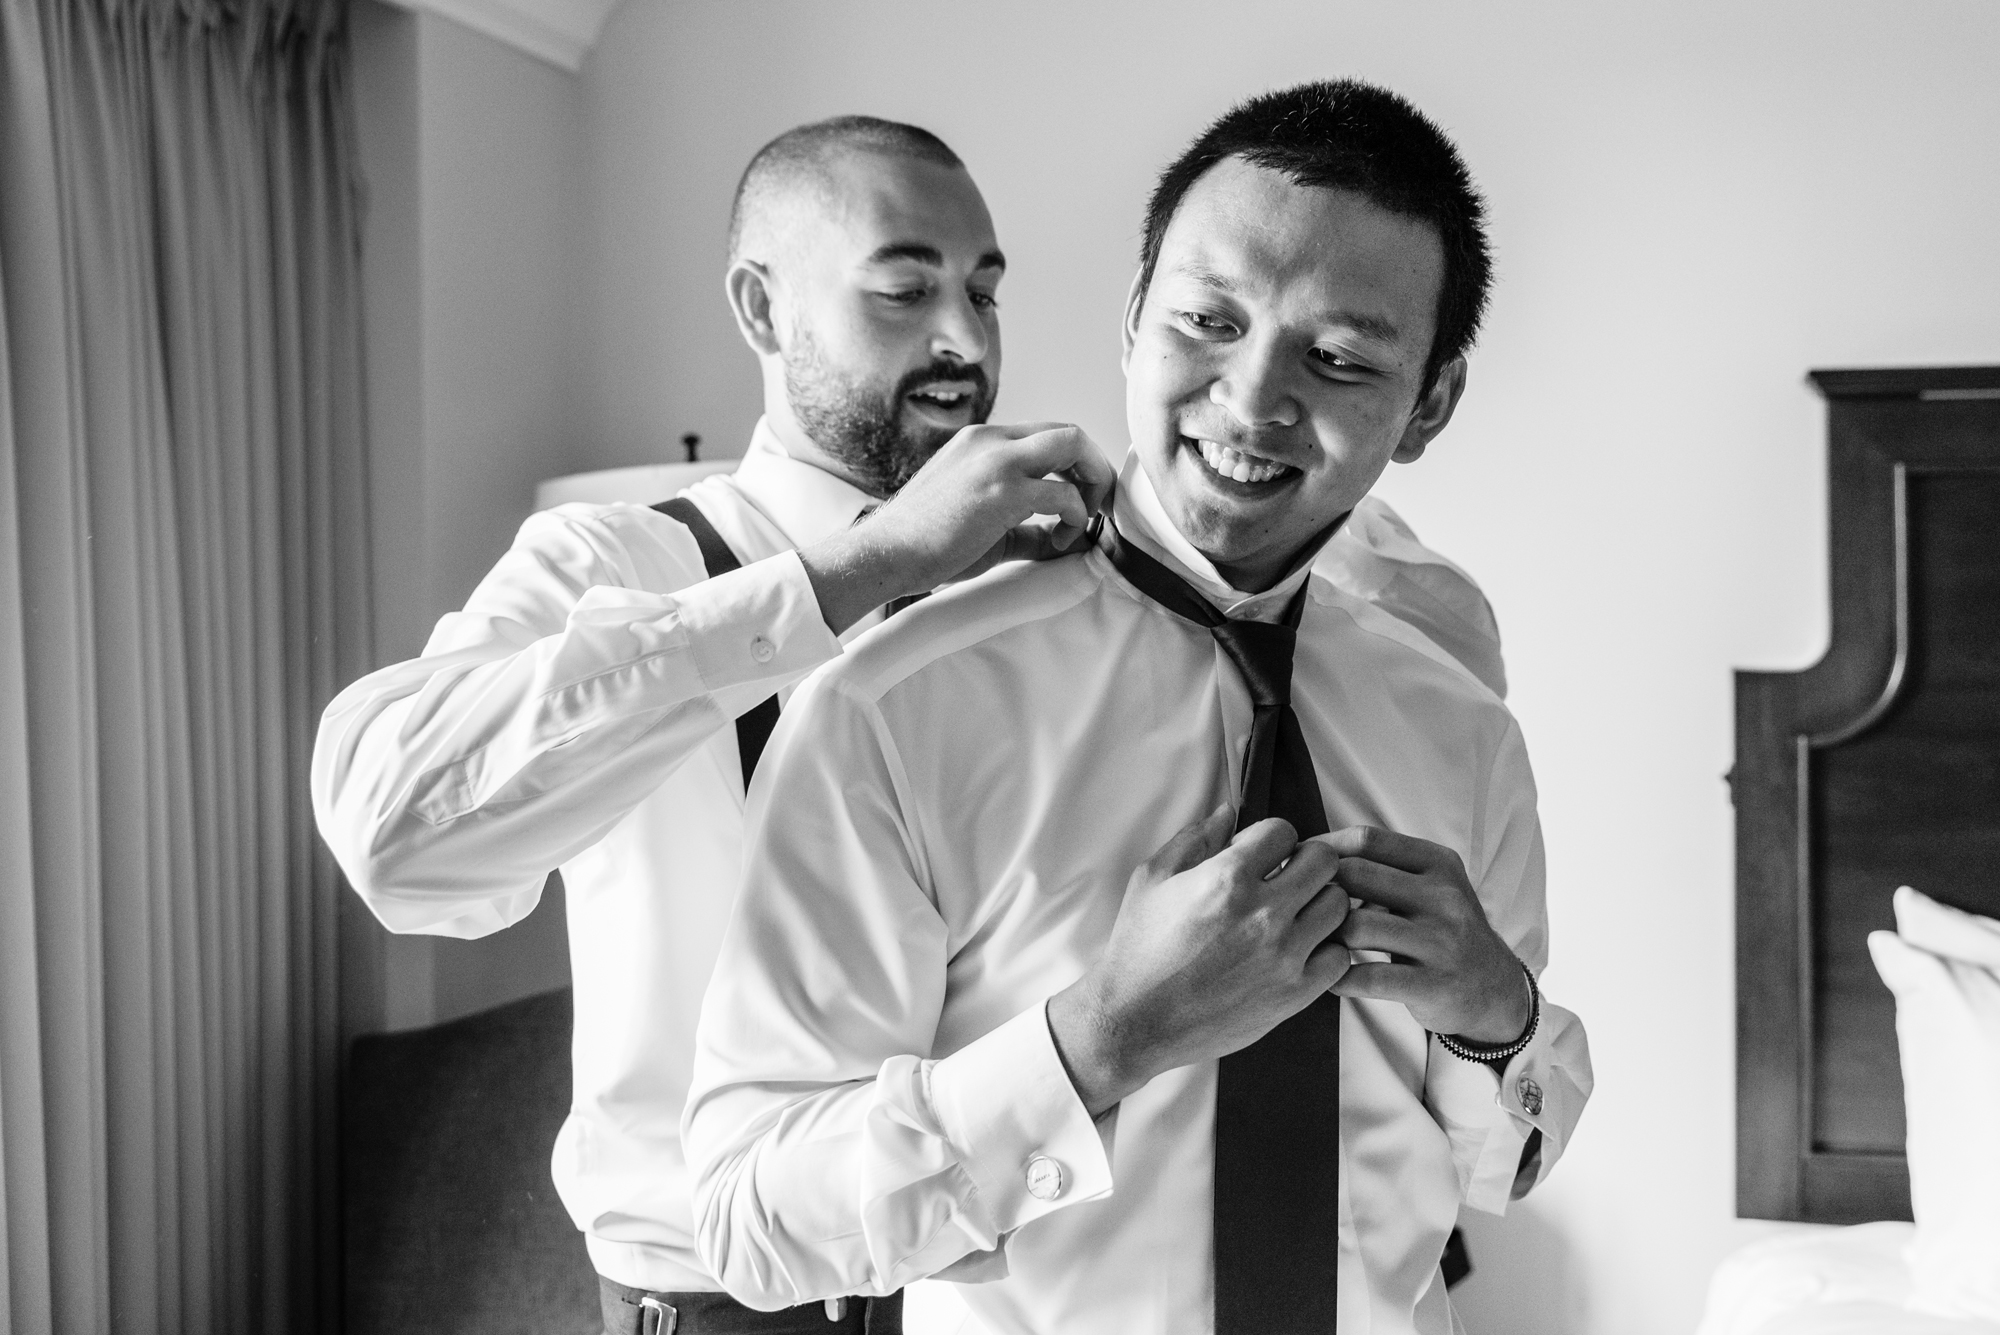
pixel 754 725
pixel 1277 1102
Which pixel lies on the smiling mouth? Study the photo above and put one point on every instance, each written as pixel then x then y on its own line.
pixel 941 398
pixel 1237 466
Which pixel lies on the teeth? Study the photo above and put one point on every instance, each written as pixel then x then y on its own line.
pixel 948 398
pixel 1238 467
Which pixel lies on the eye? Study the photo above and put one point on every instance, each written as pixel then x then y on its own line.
pixel 1334 360
pixel 985 301
pixel 1203 322
pixel 904 296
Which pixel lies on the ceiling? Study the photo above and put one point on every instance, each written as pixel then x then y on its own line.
pixel 558 31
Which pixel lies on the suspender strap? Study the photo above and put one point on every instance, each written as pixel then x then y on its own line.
pixel 754 728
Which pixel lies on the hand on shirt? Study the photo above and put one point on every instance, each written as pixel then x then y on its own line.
pixel 1217 941
pixel 1414 901
pixel 966 509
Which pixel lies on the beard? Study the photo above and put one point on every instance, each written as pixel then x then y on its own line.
pixel 860 424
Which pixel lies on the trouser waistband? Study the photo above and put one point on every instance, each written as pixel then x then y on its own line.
pixel 629 1311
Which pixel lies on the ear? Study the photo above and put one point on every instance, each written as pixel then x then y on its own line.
pixel 1432 413
pixel 1135 300
pixel 748 287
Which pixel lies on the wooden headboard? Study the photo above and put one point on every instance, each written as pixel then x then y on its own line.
pixel 1878 766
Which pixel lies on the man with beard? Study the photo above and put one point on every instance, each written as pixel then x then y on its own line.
pixel 577 713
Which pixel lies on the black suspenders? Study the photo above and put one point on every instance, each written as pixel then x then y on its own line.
pixel 754 728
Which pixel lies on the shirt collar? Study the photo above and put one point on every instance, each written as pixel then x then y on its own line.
pixel 805 502
pixel 1143 519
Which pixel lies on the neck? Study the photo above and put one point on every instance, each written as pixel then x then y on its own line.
pixel 1256 577
pixel 800 446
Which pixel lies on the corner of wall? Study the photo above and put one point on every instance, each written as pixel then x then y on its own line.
pixel 385 980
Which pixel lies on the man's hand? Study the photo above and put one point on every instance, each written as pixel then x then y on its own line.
pixel 1217 942
pixel 966 509
pixel 1447 964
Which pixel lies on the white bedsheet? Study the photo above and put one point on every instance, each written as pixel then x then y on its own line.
pixel 1841 1281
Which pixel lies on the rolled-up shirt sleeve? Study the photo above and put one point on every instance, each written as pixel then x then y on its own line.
pixel 1508 1127
pixel 590 661
pixel 832 1152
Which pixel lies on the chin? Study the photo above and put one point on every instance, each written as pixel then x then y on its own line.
pixel 1206 523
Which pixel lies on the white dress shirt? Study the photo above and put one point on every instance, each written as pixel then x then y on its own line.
pixel 576 714
pixel 939 838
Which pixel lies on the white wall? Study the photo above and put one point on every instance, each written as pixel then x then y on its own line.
pixel 472 159
pixel 1693 205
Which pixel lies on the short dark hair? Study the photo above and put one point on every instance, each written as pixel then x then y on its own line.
pixel 803 153
pixel 1347 135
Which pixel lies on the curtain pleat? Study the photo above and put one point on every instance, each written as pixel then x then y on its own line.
pixel 183 586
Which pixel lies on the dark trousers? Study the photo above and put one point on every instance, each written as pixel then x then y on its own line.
pixel 719 1314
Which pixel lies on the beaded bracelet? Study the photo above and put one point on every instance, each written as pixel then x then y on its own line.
pixel 1480 1052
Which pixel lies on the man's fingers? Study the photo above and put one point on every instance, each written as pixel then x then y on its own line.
pixel 1211 834
pixel 1195 843
pixel 1383 982
pixel 1379 884
pixel 1039 539
pixel 1310 870
pixel 1327 964
pixel 1022 430
pixel 1371 928
pixel 1061 449
pixel 1094 477
pixel 1058 497
pixel 1263 847
pixel 1032 541
pixel 1402 851
pixel 1324 913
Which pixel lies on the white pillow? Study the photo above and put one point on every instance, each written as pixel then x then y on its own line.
pixel 1807 1269
pixel 1945 971
pixel 1944 930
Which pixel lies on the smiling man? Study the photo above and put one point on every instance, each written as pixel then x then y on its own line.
pixel 876 351
pixel 578 712
pixel 968 1023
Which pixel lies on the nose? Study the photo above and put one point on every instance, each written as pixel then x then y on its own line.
pixel 1254 385
pixel 960 333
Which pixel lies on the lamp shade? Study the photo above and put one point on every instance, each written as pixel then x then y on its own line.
pixel 642 484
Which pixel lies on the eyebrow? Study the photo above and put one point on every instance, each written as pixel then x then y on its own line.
pixel 924 253
pixel 1371 326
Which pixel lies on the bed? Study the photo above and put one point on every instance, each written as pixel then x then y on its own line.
pixel 1878 767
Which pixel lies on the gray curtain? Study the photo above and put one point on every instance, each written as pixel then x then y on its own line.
pixel 183 556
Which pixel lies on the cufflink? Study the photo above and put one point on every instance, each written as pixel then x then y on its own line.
pixel 1530 1095
pixel 1045 1178
pixel 762 649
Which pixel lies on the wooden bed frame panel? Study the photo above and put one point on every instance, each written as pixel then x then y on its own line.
pixel 1878 766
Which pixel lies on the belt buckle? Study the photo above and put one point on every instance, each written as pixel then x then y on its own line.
pixel 656 1317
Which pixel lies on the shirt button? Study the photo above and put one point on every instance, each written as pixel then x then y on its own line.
pixel 763 650
pixel 1045 1178
pixel 1530 1095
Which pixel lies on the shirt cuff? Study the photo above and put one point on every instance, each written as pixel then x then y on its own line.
pixel 759 623
pixel 1027 1141
pixel 1484 1114
pixel 1543 1088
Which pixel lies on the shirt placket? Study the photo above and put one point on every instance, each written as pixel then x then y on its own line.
pixel 1234 705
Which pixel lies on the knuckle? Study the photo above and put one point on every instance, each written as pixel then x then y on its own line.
pixel 1241 889
pixel 1273 927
